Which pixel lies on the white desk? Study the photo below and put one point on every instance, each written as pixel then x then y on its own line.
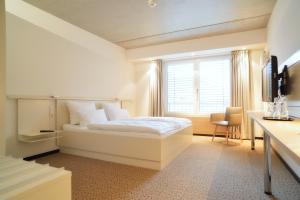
pixel 285 133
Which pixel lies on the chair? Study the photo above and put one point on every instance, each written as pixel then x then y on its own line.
pixel 232 120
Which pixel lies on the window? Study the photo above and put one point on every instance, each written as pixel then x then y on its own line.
pixel 198 86
pixel 181 88
pixel 214 86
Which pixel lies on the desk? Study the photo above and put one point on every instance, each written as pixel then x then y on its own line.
pixel 286 133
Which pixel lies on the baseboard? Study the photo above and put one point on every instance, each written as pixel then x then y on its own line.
pixel 34 157
pixel 287 166
pixel 208 135
pixel 259 138
pixel 223 136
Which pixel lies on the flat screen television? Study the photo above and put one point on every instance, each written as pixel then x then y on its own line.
pixel 293 82
pixel 284 83
pixel 270 80
pixel 294 89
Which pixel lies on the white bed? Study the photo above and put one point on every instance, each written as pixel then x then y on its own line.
pixel 153 149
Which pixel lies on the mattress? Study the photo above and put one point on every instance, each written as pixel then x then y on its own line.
pixel 137 127
pixel 82 130
pixel 183 122
pixel 154 125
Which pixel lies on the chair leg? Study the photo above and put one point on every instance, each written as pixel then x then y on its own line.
pixel 214 133
pixel 235 136
pixel 227 134
pixel 240 131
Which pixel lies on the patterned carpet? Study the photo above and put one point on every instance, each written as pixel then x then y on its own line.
pixel 205 170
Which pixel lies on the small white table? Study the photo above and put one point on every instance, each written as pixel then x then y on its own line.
pixel 286 133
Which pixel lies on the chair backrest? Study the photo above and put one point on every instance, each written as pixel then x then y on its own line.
pixel 234 115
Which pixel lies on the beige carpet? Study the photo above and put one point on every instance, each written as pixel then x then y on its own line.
pixel 205 170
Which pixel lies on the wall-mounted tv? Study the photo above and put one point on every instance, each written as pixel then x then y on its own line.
pixel 294 89
pixel 270 80
pixel 293 73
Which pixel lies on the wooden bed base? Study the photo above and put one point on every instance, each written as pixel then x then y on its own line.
pixel 151 153
pixel 147 152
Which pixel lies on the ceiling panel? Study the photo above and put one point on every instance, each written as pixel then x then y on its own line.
pixel 132 23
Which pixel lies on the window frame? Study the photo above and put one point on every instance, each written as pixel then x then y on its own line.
pixel 195 61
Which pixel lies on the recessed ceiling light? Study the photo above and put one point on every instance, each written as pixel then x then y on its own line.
pixel 152 3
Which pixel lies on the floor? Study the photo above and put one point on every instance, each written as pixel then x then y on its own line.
pixel 205 170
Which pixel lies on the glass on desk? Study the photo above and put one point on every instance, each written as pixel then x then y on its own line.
pixel 277 109
pixel 269 109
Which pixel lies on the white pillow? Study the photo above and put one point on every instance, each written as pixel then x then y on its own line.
pixel 114 112
pixel 123 114
pixel 75 107
pixel 92 117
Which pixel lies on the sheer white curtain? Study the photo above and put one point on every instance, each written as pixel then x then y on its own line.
pixel 241 87
pixel 156 89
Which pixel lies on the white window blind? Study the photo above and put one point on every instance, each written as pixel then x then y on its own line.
pixel 180 88
pixel 214 86
pixel 198 86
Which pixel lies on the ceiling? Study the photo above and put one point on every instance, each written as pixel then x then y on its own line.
pixel 132 23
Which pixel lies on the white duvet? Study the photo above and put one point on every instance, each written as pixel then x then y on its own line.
pixel 155 125
pixel 179 121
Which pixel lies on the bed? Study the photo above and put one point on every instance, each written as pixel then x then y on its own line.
pixel 145 148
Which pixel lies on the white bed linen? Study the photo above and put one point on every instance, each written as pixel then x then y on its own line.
pixel 137 125
pixel 183 122
pixel 159 126
pixel 155 125
pixel 84 130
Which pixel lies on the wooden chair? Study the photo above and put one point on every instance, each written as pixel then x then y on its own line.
pixel 232 120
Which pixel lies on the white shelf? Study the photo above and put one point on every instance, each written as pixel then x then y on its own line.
pixel 35 115
pixel 31 137
pixel 39 134
pixel 39 138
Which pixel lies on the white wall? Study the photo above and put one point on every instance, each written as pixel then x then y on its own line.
pixel 45 58
pixel 142 80
pixel 284 41
pixel 284 29
pixel 2 77
pixel 42 63
pixel 239 39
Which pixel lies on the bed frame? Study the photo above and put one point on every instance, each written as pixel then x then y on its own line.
pixel 153 153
